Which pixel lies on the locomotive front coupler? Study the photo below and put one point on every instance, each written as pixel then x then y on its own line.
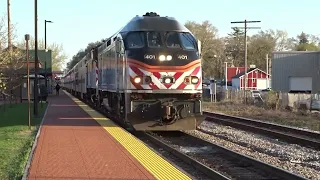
pixel 157 109
pixel 165 111
pixel 169 110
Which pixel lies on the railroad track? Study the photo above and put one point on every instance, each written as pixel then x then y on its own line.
pixel 216 161
pixel 286 133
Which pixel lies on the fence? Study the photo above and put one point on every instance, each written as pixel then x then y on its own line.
pixel 267 99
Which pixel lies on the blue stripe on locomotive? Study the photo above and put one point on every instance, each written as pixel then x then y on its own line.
pixel 107 79
pixel 91 79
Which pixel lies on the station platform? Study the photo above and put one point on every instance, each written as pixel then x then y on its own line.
pixel 76 142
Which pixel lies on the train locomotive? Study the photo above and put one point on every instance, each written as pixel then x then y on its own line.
pixel 147 75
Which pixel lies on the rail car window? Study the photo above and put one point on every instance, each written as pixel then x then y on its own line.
pixel 154 39
pixel 135 40
pixel 172 40
pixel 188 42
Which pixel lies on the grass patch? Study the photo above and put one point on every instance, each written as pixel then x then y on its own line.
pixel 16 139
pixel 284 117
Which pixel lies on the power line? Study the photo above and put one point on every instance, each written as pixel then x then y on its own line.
pixel 245 22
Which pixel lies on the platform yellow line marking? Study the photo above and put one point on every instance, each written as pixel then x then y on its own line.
pixel 154 163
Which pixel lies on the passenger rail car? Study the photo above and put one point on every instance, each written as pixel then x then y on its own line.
pixel 148 75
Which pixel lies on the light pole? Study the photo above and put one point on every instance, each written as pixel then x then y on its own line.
pixel 27 37
pixel 36 67
pixel 45 48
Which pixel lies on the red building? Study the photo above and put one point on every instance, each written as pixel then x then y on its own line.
pixel 256 79
pixel 232 71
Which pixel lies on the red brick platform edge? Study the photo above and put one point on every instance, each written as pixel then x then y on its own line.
pixel 27 167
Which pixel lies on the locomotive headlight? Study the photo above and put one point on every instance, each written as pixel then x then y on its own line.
pixel 194 80
pixel 162 57
pixel 167 80
pixel 137 80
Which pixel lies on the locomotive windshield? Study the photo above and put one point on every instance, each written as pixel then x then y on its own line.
pixel 161 39
pixel 188 42
pixel 154 39
pixel 172 40
pixel 179 40
pixel 135 40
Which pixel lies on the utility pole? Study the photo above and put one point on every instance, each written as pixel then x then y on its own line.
pixel 36 63
pixel 9 27
pixel 45 48
pixel 245 50
pixel 10 45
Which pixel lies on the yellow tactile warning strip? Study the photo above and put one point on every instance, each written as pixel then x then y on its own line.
pixel 154 163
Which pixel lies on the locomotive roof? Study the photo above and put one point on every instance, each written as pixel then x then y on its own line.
pixel 154 22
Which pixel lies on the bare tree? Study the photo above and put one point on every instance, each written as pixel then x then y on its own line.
pixel 234 43
pixel 81 53
pixel 212 47
pixel 58 54
pixel 4 55
pixel 259 45
pixel 9 62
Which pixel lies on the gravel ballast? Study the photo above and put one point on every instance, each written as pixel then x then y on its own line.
pixel 294 158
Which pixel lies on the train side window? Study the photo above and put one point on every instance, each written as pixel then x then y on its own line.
pixel 188 42
pixel 172 40
pixel 154 39
pixel 135 40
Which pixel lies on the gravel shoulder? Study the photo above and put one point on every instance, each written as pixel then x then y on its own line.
pixel 294 158
pixel 294 119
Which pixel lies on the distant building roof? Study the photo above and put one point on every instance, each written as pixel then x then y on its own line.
pixel 242 73
pixel 232 71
